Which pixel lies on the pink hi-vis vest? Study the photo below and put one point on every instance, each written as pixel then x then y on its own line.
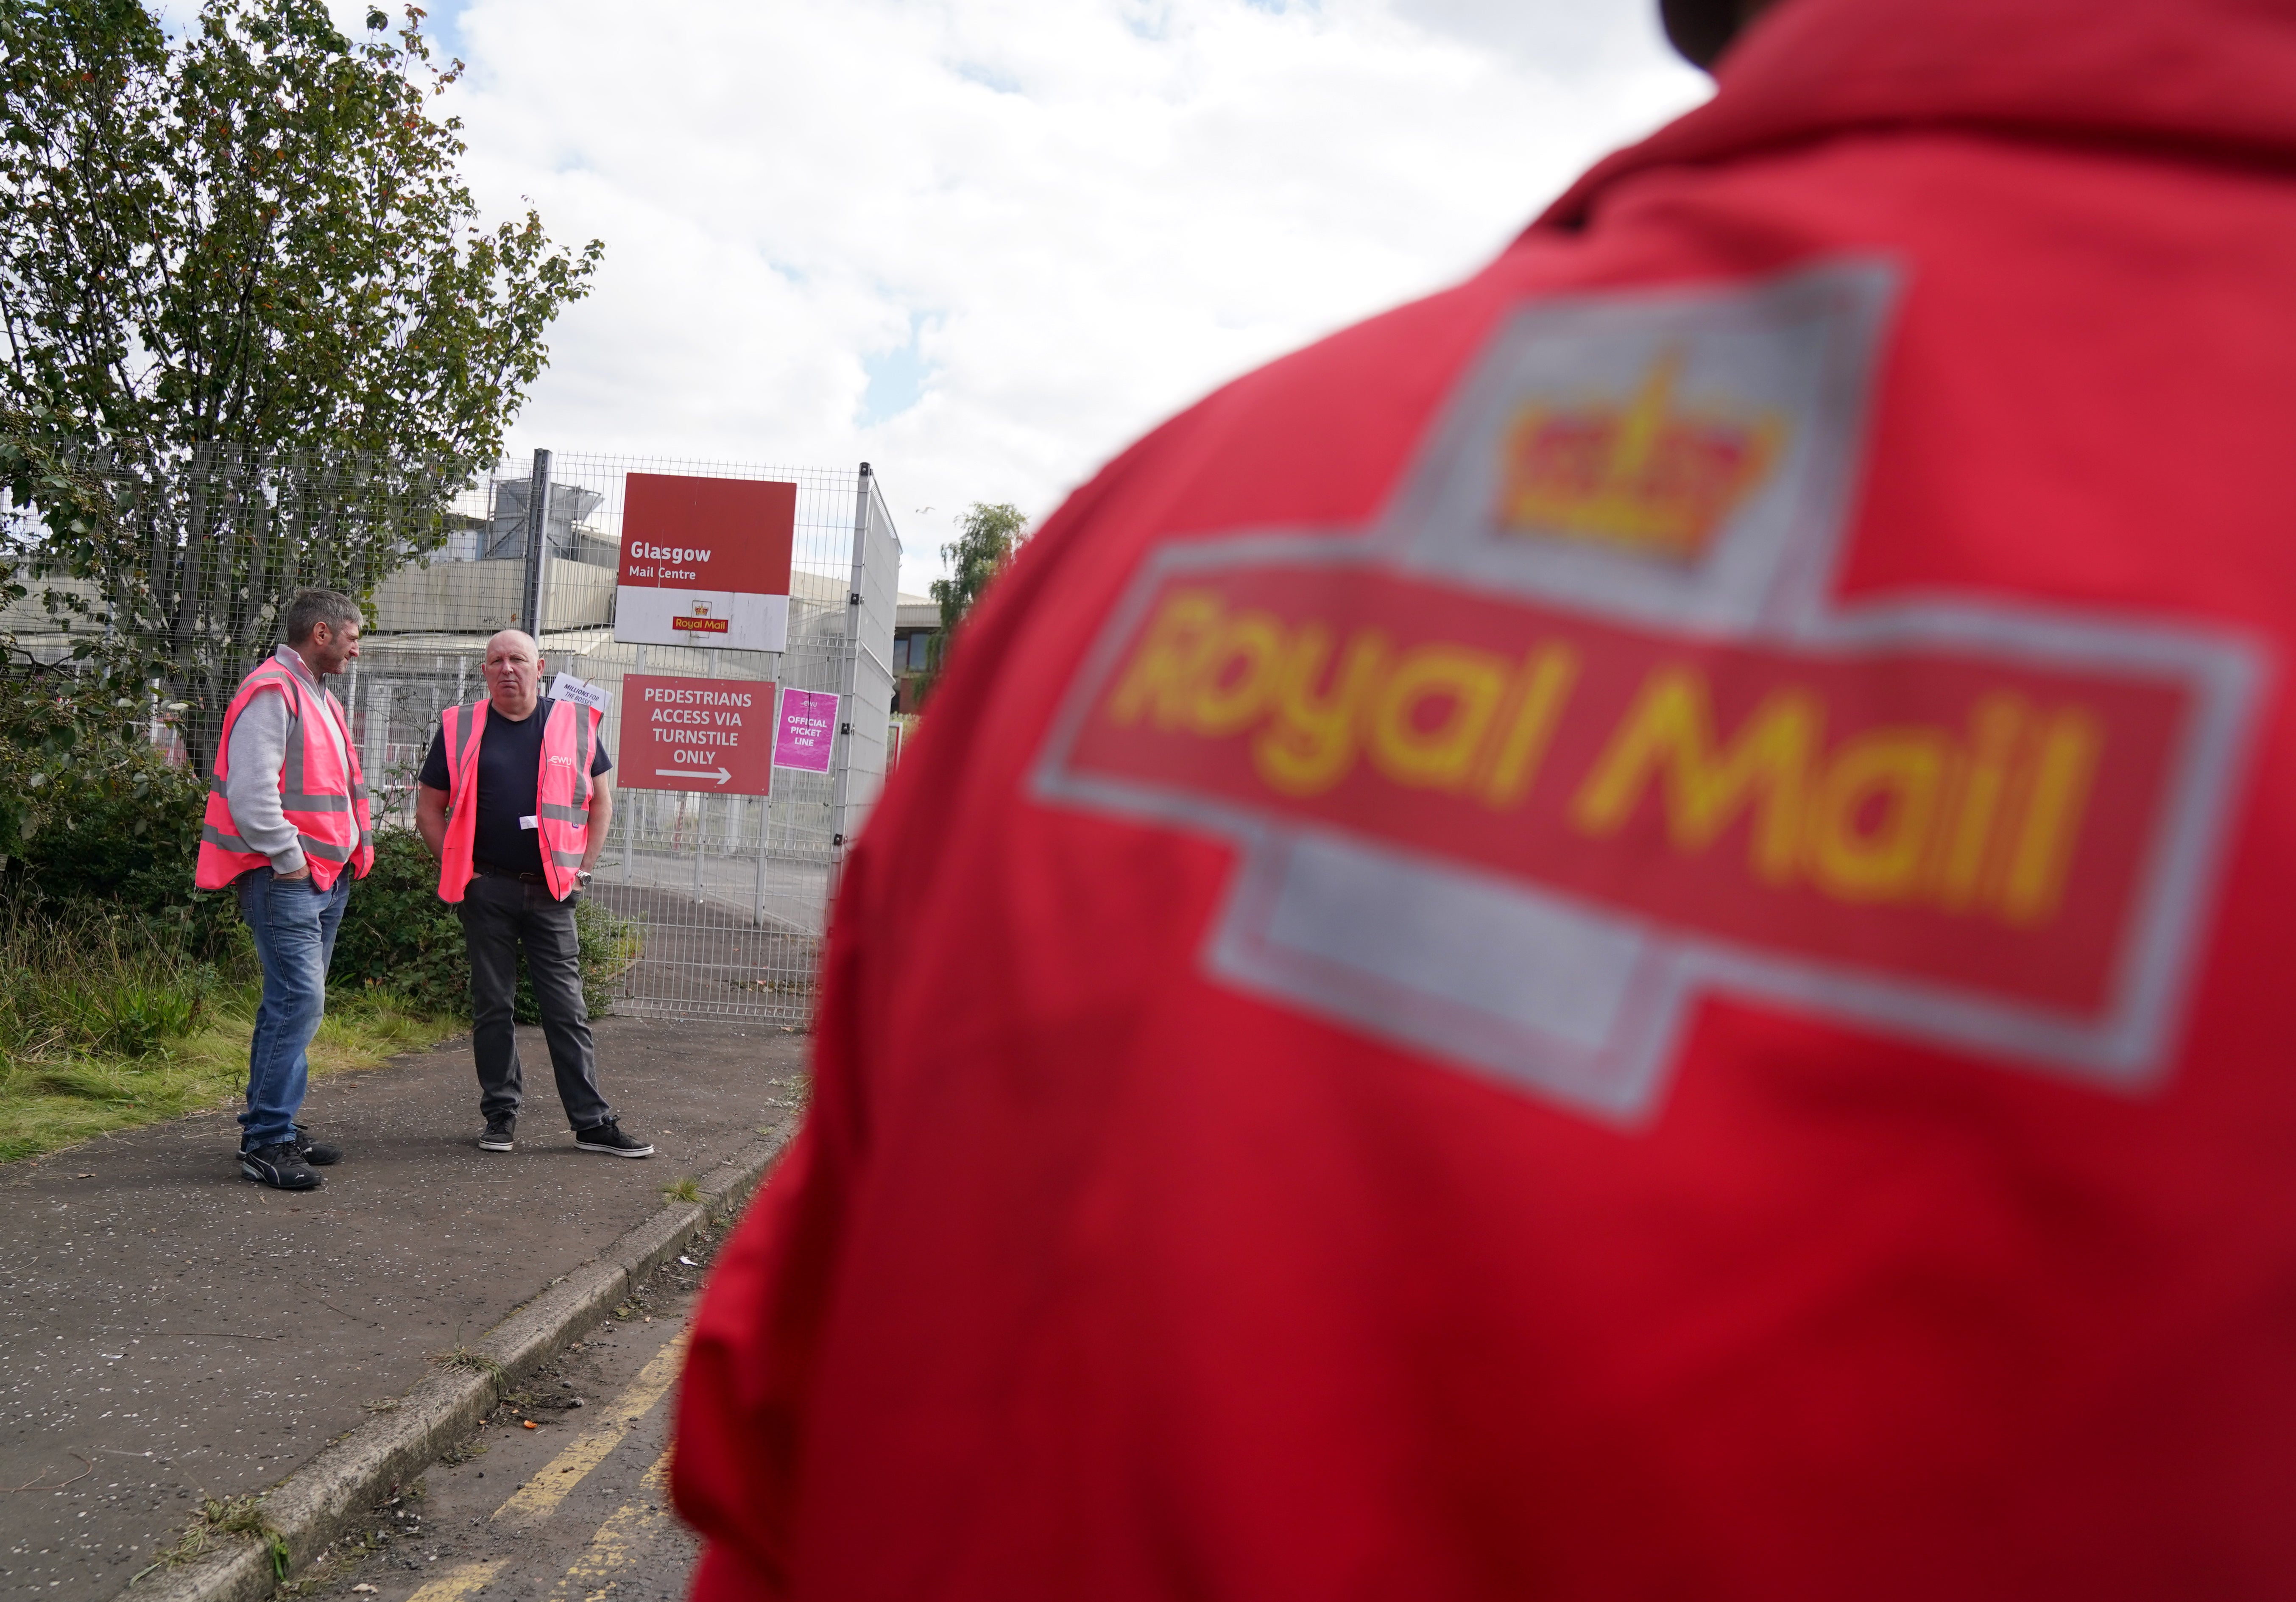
pixel 320 792
pixel 562 794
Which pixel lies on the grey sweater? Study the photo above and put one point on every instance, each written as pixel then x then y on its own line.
pixel 257 756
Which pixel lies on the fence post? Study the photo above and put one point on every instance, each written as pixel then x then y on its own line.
pixel 537 539
pixel 379 693
pixel 841 785
pixel 627 799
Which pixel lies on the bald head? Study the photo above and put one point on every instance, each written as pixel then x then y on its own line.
pixel 513 672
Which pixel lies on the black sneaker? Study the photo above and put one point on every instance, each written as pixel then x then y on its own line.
pixel 608 1137
pixel 499 1130
pixel 315 1153
pixel 280 1166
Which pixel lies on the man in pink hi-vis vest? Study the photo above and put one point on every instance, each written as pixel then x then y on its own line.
pixel 287 828
pixel 1623 935
pixel 515 802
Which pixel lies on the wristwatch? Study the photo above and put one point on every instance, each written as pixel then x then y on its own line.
pixel 583 875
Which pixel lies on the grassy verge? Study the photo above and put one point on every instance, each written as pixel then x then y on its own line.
pixel 101 1030
pixel 59 1102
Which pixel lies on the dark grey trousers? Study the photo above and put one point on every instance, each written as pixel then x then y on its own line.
pixel 499 916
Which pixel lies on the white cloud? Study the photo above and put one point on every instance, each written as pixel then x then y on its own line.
pixel 1042 226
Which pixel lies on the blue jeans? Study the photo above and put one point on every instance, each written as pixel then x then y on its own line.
pixel 294 923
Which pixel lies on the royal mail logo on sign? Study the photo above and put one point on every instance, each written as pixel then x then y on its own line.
pixel 1578 736
pixel 705 561
pixel 696 619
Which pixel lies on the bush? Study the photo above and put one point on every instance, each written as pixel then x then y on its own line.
pixel 610 945
pixel 399 935
pixel 96 825
pixel 91 815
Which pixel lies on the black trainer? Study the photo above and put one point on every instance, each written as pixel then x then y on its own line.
pixel 316 1154
pixel 608 1137
pixel 280 1166
pixel 499 1130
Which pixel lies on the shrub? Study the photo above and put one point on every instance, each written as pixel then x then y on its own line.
pixel 399 935
pixel 96 825
pixel 90 814
pixel 610 945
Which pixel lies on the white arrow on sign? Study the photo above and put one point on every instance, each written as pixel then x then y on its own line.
pixel 721 775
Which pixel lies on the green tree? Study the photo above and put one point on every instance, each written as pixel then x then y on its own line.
pixel 984 542
pixel 252 335
pixel 256 236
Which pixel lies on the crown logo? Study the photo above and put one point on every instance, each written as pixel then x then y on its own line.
pixel 1653 476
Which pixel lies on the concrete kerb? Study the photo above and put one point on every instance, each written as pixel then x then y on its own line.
pixel 330 1496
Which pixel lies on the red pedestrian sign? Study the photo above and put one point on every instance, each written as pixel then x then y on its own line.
pixel 715 735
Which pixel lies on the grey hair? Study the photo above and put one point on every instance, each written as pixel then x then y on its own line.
pixel 313 607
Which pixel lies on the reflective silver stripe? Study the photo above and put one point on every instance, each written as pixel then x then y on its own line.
pixel 211 835
pixel 366 839
pixel 566 858
pixel 270 672
pixel 469 741
pixel 358 790
pixel 294 793
pixel 558 813
pixel 291 775
pixel 314 847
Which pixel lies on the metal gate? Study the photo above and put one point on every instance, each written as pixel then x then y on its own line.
pixel 715 904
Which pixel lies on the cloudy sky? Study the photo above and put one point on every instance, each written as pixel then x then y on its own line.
pixel 984 243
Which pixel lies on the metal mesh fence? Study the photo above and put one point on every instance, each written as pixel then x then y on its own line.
pixel 207 552
pixel 729 891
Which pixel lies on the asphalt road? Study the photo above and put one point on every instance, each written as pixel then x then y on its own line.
pixel 576 1509
pixel 169 1331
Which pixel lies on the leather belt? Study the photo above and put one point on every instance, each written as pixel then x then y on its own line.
pixel 492 872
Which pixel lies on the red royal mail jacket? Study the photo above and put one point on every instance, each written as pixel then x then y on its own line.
pixel 1623 934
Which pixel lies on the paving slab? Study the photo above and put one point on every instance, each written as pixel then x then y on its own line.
pixel 172 1331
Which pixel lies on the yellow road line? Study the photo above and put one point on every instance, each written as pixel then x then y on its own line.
pixel 459 1583
pixel 626 1539
pixel 541 1494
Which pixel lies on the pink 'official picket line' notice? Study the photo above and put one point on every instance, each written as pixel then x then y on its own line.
pixel 809 728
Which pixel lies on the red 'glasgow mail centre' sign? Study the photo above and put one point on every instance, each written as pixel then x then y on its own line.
pixel 705 563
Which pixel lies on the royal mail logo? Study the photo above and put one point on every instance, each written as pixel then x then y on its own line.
pixel 1518 804
pixel 1932 813
pixel 701 625
pixel 1645 473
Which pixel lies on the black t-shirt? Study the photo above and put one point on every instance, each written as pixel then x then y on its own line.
pixel 510 765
